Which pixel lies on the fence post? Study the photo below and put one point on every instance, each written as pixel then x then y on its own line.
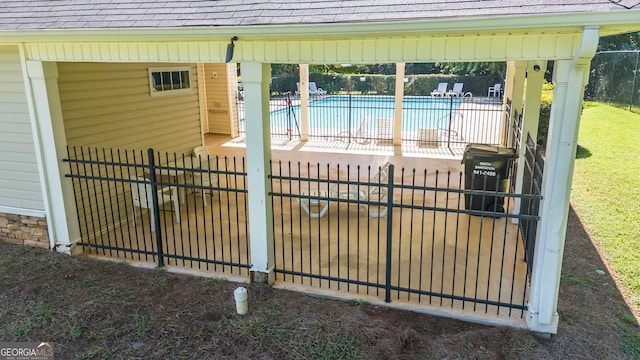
pixel 156 208
pixel 387 287
pixel 450 122
pixel 633 84
pixel 349 119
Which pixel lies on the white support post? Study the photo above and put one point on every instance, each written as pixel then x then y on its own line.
pixel 232 83
pixel 256 77
pixel 514 91
pixel 62 218
pixel 304 102
pixel 397 121
pixel 530 120
pixel 202 101
pixel 569 79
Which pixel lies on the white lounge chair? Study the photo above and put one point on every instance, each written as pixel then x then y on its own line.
pixel 360 136
pixel 204 178
pixel 428 138
pixel 385 132
pixel 316 202
pixel 371 193
pixel 494 90
pixel 456 91
pixel 141 196
pixel 441 90
pixel 314 90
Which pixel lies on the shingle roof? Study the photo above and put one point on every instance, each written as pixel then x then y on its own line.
pixel 125 14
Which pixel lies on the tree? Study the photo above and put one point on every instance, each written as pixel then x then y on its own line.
pixel 497 69
pixel 630 41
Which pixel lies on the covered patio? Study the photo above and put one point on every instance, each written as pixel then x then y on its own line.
pixel 140 81
pixel 428 253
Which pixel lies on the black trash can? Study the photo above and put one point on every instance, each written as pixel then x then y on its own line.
pixel 486 168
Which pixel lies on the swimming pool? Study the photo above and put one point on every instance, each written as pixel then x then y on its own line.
pixel 333 114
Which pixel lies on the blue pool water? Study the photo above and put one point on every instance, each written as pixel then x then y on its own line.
pixel 339 113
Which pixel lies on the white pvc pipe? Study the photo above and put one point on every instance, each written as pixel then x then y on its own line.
pixel 240 295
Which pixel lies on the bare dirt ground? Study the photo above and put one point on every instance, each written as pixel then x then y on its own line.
pixel 93 309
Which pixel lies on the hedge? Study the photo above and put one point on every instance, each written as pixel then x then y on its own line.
pixel 416 85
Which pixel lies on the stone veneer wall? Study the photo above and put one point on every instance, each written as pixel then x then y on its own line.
pixel 24 230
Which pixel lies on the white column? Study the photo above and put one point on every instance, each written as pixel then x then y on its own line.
pixel 232 83
pixel 255 77
pixel 397 122
pixel 202 101
pixel 514 91
pixel 569 79
pixel 304 102
pixel 530 119
pixel 62 218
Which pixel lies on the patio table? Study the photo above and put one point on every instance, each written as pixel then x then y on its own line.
pixel 177 170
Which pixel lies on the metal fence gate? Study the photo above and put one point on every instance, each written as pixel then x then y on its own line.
pixel 159 207
pixel 400 235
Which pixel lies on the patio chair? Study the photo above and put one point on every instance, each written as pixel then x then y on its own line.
pixel 141 196
pixel 494 90
pixel 374 193
pixel 314 90
pixel 360 136
pixel 385 132
pixel 441 90
pixel 428 138
pixel 204 178
pixel 456 91
pixel 320 200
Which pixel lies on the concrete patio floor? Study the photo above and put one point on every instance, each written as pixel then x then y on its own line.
pixel 458 255
pixel 451 257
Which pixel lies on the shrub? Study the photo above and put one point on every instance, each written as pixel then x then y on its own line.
pixel 545 113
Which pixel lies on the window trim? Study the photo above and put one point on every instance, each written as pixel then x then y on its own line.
pixel 154 92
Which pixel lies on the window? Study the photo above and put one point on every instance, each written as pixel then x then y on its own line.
pixel 169 80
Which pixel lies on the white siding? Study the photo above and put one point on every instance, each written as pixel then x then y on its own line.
pixel 19 180
pixel 219 98
pixel 109 105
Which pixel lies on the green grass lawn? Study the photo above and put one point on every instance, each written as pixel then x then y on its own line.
pixel 606 188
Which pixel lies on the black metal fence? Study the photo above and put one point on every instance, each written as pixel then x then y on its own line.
pixel 406 235
pixel 614 79
pixel 163 208
pixel 284 116
pixel 531 185
pixel 516 138
pixel 427 121
pixel 398 234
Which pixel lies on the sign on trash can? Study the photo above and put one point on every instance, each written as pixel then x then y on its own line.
pixel 486 169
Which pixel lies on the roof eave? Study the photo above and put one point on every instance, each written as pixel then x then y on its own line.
pixel 610 22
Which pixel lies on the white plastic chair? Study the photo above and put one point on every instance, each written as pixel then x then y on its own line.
pixel 141 196
pixel 377 193
pixel 456 91
pixel 360 136
pixel 204 178
pixel 385 132
pixel 320 200
pixel 314 90
pixel 494 90
pixel 441 90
